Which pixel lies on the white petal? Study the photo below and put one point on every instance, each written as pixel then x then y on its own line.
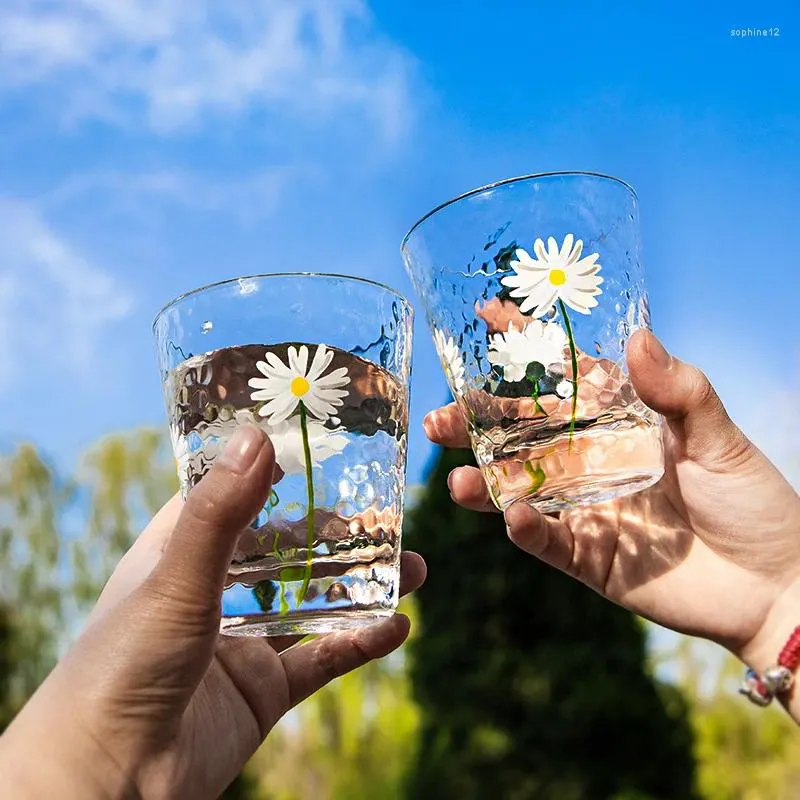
pixel 579 302
pixel 556 335
pixel 261 396
pixel 265 384
pixel 552 248
pixel 318 406
pixel 524 259
pixel 322 360
pixel 542 300
pixel 280 408
pixel 514 372
pixel 575 254
pixel 587 266
pixel 263 368
pixel 538 248
pixel 566 248
pixel 298 360
pixel 513 281
pixel 334 379
pixel 564 389
pixel 277 366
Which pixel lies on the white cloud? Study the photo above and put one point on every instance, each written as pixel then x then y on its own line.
pixel 172 62
pixel 55 306
pixel 247 198
pixel 774 425
pixel 759 387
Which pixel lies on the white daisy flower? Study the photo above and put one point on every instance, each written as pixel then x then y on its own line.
pixel 632 318
pixel 564 389
pixel 180 451
pixel 555 275
pixel 450 357
pixel 283 387
pixel 287 439
pixel 543 342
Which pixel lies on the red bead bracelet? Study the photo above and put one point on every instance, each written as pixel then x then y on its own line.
pixel 761 689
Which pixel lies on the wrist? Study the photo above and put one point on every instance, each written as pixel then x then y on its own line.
pixel 762 653
pixel 45 752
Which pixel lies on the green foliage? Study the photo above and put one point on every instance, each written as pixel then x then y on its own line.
pixel 125 479
pixel 32 579
pixel 743 752
pixel 353 739
pixel 244 787
pixel 50 570
pixel 531 685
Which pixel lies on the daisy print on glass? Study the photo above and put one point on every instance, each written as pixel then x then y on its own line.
pixel 555 274
pixel 539 280
pixel 321 364
pixel 538 343
pixel 450 358
pixel 285 386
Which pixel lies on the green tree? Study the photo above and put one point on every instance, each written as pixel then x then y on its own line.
pixel 743 752
pixel 123 480
pixel 531 685
pixel 34 573
pixel 353 739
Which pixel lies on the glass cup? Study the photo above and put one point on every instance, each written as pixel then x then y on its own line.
pixel 532 287
pixel 322 364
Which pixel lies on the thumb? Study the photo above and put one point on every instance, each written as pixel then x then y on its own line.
pixel 686 398
pixel 191 574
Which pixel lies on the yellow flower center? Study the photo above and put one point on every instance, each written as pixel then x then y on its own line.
pixel 299 386
pixel 558 277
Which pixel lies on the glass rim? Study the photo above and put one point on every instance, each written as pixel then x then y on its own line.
pixel 258 276
pixel 518 179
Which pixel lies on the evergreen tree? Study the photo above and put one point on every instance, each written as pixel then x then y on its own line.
pixel 530 684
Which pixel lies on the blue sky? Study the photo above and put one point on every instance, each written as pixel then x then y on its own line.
pixel 150 147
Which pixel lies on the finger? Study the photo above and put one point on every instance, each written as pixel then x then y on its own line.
pixel 541 536
pixel 413 571
pixel 684 395
pixel 247 660
pixel 311 666
pixel 446 426
pixel 195 563
pixel 468 489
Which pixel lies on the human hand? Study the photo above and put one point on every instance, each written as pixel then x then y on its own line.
pixel 150 701
pixel 712 550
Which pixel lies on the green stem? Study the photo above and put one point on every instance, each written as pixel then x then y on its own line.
pixel 273 501
pixel 536 404
pixel 574 355
pixel 310 516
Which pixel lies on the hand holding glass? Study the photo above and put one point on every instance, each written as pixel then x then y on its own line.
pixel 532 288
pixel 321 363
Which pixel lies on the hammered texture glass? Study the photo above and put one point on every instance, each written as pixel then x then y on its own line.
pixel 324 553
pixel 510 366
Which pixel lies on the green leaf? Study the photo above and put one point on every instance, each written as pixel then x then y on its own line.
pixel 536 474
pixel 535 371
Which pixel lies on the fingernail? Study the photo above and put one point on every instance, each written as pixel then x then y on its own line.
pixel 450 481
pixel 657 352
pixel 518 515
pixel 242 449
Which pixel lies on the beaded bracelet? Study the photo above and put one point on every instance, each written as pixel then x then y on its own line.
pixel 761 689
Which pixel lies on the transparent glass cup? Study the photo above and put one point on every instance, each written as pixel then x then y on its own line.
pixel 322 364
pixel 532 287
